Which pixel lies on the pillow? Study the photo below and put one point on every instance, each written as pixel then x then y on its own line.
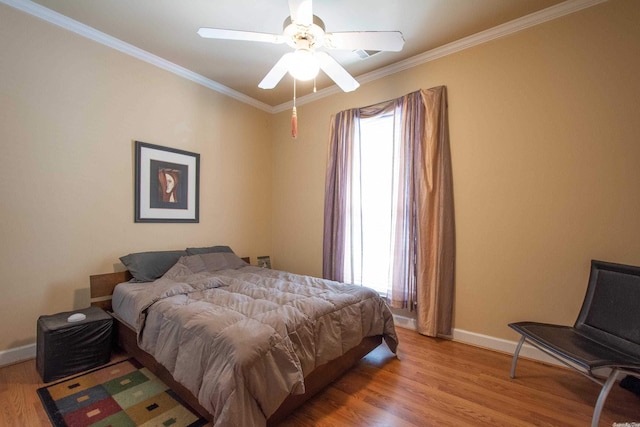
pixel 148 266
pixel 193 263
pixel 221 261
pixel 208 250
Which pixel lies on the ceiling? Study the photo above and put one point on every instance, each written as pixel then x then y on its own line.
pixel 167 29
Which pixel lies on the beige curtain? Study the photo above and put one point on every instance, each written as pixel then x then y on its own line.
pixel 423 249
pixel 435 264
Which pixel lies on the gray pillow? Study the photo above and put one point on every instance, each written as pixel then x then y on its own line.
pixel 148 266
pixel 208 250
pixel 212 261
pixel 222 261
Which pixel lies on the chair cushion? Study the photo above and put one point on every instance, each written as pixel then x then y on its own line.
pixel 570 343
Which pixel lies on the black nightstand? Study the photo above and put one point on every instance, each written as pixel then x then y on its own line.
pixel 65 348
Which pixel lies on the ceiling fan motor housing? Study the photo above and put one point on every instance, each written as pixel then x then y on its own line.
pixel 300 36
pixel 305 33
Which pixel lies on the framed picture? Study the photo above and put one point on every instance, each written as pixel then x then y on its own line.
pixel 264 261
pixel 167 184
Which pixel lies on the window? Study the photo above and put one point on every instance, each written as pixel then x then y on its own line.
pixel 367 255
pixel 403 202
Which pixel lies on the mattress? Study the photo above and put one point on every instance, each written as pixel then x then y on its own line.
pixel 123 301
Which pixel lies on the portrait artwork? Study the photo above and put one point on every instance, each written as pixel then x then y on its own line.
pixel 167 184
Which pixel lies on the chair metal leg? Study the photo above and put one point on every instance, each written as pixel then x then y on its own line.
pixel 515 357
pixel 606 388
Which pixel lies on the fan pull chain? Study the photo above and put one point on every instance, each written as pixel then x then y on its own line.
pixel 294 114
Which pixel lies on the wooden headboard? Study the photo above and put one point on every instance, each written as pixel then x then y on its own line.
pixel 101 286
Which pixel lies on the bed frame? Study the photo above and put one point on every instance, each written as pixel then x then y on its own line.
pixel 101 287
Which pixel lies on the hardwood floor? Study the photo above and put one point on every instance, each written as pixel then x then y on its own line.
pixel 433 383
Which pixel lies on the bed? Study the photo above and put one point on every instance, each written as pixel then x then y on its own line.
pixel 240 344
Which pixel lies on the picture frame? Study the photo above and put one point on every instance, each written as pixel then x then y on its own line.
pixel 264 261
pixel 167 184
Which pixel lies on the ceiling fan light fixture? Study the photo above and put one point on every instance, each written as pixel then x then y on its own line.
pixel 305 33
pixel 303 65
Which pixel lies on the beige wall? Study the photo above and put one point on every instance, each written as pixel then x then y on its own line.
pixel 71 109
pixel 546 159
pixel 544 135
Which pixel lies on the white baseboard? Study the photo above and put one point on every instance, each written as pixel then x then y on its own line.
pixel 405 322
pixel 18 354
pixel 485 341
pixel 502 345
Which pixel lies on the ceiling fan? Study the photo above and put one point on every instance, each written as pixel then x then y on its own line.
pixel 305 33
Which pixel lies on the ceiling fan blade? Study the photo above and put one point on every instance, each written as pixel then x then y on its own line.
pixel 218 33
pixel 334 70
pixel 390 41
pixel 301 12
pixel 276 74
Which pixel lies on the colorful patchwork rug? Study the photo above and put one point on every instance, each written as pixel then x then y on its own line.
pixel 122 394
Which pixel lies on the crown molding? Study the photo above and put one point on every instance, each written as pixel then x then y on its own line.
pixel 91 33
pixel 533 19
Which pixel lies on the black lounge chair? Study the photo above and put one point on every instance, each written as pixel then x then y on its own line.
pixel 605 335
